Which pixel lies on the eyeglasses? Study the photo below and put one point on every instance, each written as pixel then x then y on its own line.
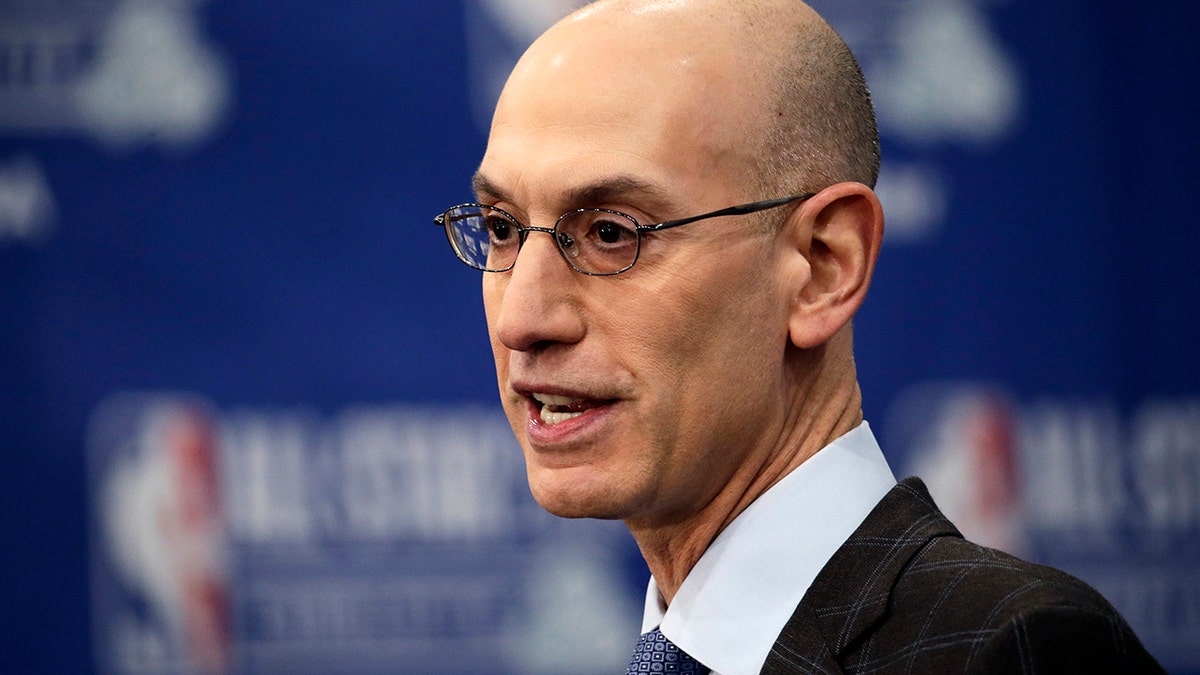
pixel 596 242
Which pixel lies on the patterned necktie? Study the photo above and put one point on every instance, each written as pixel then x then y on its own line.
pixel 656 654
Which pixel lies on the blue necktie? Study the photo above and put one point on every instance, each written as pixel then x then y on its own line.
pixel 656 654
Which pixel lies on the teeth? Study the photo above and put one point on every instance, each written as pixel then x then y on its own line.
pixel 553 418
pixel 551 399
pixel 557 409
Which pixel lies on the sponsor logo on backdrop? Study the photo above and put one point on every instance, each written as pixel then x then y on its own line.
pixel 941 78
pixel 124 72
pixel 940 75
pixel 1107 493
pixel 377 538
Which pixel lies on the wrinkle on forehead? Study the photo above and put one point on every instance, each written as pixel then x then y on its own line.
pixel 606 189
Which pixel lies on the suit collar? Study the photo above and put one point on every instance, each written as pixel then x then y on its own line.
pixel 851 592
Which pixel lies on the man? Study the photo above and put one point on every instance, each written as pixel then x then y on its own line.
pixel 694 376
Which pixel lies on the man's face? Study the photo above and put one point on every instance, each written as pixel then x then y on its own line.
pixel 639 396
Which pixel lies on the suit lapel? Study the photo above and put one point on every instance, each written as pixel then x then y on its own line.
pixel 801 648
pixel 850 595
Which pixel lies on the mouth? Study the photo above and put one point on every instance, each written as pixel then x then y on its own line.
pixel 553 409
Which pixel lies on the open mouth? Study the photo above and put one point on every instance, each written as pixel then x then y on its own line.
pixel 558 409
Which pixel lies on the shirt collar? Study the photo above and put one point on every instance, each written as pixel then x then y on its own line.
pixel 736 600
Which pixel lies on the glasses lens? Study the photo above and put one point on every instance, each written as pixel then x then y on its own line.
pixel 598 241
pixel 483 238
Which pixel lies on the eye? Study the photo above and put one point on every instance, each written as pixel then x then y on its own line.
pixel 498 228
pixel 612 233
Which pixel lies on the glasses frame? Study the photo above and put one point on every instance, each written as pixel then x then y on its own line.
pixel 523 231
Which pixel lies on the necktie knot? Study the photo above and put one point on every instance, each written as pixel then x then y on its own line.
pixel 656 654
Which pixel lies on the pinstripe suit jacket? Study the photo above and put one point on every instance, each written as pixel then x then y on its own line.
pixel 907 594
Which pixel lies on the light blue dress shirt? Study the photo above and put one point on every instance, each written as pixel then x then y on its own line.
pixel 736 600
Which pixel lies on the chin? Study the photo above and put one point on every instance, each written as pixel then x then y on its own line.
pixel 563 510
pixel 572 497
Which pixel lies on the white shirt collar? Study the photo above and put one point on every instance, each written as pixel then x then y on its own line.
pixel 736 600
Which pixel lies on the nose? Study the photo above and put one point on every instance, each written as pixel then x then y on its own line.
pixel 536 303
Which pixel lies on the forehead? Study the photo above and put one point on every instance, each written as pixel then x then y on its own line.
pixel 612 105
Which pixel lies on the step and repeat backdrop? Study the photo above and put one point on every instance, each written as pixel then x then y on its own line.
pixel 247 405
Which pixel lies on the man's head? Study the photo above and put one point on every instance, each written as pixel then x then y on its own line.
pixel 694 380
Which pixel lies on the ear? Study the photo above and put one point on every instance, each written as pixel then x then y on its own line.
pixel 838 232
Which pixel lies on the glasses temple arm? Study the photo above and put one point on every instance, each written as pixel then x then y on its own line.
pixel 739 210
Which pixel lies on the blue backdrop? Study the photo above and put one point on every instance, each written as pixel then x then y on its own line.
pixel 215 220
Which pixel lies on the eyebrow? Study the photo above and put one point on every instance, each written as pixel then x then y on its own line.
pixel 484 188
pixel 614 188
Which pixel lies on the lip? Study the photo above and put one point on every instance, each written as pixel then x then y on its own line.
pixel 546 437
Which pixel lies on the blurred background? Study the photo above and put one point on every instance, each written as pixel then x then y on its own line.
pixel 247 405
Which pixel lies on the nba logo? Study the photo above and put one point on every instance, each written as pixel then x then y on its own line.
pixel 961 440
pixel 158 549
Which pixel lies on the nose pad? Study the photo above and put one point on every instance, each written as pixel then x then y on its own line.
pixel 566 243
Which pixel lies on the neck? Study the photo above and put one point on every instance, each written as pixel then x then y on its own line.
pixel 824 405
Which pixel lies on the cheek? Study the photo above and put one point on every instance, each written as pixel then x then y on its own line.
pixel 493 294
pixel 705 322
pixel 513 408
pixel 697 343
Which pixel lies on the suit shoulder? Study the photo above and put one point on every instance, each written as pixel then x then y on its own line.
pixel 959 572
pixel 1063 639
pixel 1021 617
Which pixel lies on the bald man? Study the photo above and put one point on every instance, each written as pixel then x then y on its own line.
pixel 689 186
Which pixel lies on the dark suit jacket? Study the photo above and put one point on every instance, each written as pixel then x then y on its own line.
pixel 907 594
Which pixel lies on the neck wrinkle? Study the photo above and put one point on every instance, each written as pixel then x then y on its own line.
pixel 827 404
